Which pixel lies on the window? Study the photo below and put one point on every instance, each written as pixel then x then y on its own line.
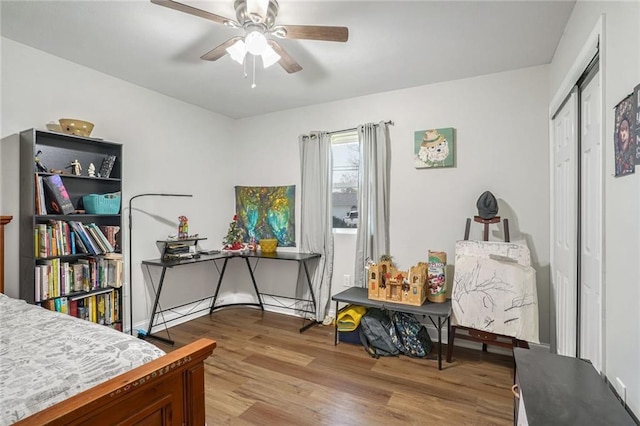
pixel 345 151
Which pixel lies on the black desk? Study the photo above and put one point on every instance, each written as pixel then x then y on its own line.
pixel 360 296
pixel 301 258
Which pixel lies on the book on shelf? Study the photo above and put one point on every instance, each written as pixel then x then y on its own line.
pixel 96 239
pixel 61 305
pixel 88 241
pixel 41 208
pixel 113 267
pixel 73 308
pixel 92 308
pixel 80 247
pixel 49 304
pixel 57 195
pixel 100 309
pixel 107 166
pixel 112 234
pixel 102 239
pixel 54 238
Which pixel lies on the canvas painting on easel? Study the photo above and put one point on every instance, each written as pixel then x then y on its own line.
pixel 495 290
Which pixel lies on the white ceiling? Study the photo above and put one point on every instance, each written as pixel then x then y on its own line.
pixel 392 45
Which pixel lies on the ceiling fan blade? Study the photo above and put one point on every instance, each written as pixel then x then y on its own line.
pixel 312 32
pixel 219 51
pixel 286 61
pixel 192 11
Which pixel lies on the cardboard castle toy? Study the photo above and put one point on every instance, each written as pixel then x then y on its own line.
pixel 388 283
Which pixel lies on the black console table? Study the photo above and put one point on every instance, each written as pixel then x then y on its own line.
pixel 301 258
pixel 557 390
pixel 360 296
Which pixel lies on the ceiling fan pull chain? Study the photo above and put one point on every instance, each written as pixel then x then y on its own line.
pixel 253 84
pixel 244 68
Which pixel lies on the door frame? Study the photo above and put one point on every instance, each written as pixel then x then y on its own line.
pixel 594 44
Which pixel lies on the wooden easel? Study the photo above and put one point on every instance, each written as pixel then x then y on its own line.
pixel 480 336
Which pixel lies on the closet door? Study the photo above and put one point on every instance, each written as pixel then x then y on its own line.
pixel 565 222
pixel 590 278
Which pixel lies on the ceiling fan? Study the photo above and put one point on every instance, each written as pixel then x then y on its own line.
pixel 258 19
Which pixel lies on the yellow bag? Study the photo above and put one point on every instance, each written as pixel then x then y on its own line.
pixel 349 318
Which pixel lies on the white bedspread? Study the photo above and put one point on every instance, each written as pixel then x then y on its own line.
pixel 46 357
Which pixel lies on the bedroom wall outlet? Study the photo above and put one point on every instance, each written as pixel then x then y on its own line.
pixel 622 391
pixel 346 280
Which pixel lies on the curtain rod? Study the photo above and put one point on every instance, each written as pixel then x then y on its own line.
pixel 355 128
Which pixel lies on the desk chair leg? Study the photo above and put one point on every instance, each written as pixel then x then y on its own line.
pixel 452 337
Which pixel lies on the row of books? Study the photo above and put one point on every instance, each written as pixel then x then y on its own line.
pixel 55 278
pixel 60 238
pixel 102 308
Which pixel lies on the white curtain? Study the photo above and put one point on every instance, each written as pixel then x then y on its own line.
pixel 373 196
pixel 316 219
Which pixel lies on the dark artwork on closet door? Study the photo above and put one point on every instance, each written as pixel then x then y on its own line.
pixel 624 143
pixel 636 115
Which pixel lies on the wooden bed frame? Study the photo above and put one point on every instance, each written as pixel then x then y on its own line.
pixel 166 391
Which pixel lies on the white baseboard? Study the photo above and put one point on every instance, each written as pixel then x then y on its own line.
pixel 176 316
pixel 182 315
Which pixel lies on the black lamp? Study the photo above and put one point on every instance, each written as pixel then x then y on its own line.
pixel 131 251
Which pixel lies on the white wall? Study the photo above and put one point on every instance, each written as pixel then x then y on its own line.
pixel 621 66
pixel 501 129
pixel 169 146
pixel 502 146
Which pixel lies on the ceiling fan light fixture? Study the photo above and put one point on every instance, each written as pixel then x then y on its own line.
pixel 256 43
pixel 237 51
pixel 269 57
pixel 258 20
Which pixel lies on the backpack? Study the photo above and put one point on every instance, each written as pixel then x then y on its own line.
pixel 410 337
pixel 375 334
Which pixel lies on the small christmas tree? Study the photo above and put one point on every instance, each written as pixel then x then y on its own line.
pixel 235 236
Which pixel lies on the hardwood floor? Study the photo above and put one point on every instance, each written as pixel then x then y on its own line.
pixel 264 372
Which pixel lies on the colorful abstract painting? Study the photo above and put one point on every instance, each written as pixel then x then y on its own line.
pixel 434 148
pixel 267 212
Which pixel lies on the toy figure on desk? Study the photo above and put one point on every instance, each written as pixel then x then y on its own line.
pixel 183 227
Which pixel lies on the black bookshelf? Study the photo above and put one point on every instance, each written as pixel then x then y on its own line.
pixel 57 151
